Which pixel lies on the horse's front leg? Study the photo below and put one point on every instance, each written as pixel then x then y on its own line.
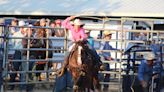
pixel 75 85
pixel 75 88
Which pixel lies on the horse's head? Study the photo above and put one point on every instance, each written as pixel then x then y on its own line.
pixel 85 52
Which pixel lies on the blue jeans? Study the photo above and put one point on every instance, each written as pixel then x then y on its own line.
pixel 107 76
pixel 63 82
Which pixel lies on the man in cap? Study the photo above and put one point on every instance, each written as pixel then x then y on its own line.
pixel 147 69
pixel 106 46
pixel 89 38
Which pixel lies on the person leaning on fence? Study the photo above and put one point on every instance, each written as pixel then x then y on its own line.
pixel 106 55
pixel 39 42
pixel 78 34
pixel 14 29
pixel 147 69
pixel 18 52
pixel 32 56
pixel 59 32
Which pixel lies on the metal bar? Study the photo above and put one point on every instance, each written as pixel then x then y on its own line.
pixel 47 47
pixel 150 31
pixel 5 57
pixel 31 82
pixel 35 27
pixel 110 72
pixel 143 19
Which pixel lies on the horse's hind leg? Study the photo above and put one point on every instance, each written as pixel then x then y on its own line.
pixel 97 83
pixel 75 88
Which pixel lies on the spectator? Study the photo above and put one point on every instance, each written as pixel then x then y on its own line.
pixel 40 43
pixel 14 29
pixel 52 30
pixel 32 55
pixel 106 55
pixel 140 36
pixel 42 22
pixel 89 38
pixel 18 46
pixel 59 32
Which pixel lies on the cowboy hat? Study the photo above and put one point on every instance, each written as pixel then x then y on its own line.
pixel 149 56
pixel 107 32
pixel 77 22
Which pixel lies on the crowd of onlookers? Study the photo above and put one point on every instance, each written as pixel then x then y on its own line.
pixel 19 32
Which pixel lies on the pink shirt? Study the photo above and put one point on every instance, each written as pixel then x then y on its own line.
pixel 76 36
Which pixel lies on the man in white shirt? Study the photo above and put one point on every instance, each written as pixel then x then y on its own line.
pixel 18 46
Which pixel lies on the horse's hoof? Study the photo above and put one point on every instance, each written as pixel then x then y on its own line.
pixel 75 87
pixel 82 73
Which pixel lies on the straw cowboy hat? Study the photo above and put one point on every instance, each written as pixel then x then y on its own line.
pixel 107 32
pixel 149 56
pixel 78 22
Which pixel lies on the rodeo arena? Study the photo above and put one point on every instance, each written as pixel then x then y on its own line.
pixel 81 45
